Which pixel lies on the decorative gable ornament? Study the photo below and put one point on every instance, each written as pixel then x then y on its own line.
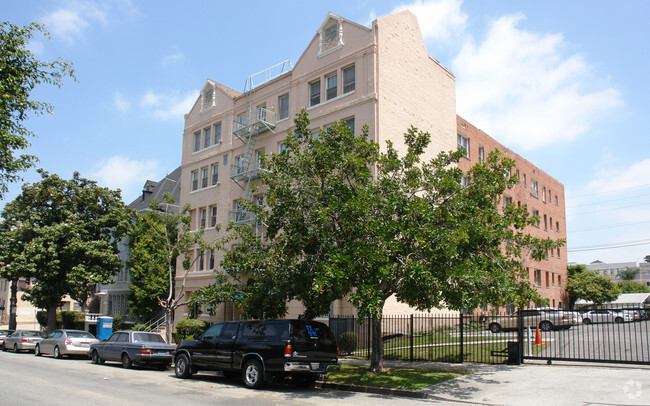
pixel 208 95
pixel 330 34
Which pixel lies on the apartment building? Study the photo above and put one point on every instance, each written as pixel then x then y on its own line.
pixel 613 269
pixel 380 76
pixel 544 197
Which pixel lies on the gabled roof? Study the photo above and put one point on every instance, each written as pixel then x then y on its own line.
pixel 156 190
pixel 228 91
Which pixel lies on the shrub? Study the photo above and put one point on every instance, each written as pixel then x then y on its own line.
pixel 190 327
pixel 69 319
pixel 117 322
pixel 41 317
pixel 140 327
pixel 348 342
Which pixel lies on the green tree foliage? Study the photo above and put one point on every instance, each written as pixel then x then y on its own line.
pixel 647 258
pixel 20 73
pixel 161 235
pixel 345 220
pixel 633 287
pixel 68 231
pixel 590 286
pixel 628 274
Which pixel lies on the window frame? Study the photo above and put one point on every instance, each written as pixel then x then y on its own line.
pixel 283 106
pixel 217 133
pixel 331 91
pixel 314 92
pixel 349 85
pixel 459 140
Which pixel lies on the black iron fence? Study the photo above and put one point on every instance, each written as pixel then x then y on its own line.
pixel 620 335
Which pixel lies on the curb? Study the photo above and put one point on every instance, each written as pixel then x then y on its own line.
pixel 376 390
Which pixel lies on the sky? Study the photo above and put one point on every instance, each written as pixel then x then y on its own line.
pixel 562 83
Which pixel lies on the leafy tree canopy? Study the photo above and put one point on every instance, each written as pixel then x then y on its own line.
pixel 633 287
pixel 628 274
pixel 590 286
pixel 20 72
pixel 345 220
pixel 67 231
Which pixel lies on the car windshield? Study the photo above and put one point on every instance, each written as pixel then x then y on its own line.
pixel 147 337
pixel 79 334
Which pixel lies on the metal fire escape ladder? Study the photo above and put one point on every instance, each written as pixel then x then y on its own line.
pixel 247 127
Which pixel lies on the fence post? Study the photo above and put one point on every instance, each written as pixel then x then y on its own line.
pixel 520 338
pixel 462 334
pixel 411 337
pixel 368 323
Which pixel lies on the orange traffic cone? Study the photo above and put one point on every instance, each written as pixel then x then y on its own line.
pixel 538 337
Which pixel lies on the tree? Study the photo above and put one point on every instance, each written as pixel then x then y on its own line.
pixel 344 220
pixel 647 258
pixel 628 274
pixel 162 234
pixel 633 287
pixel 68 230
pixel 20 72
pixel 588 285
pixel 11 263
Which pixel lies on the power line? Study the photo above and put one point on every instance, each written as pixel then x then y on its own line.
pixel 611 208
pixel 608 201
pixel 610 246
pixel 608 191
pixel 633 223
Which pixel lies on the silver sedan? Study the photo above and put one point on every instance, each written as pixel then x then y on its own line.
pixel 66 342
pixel 22 340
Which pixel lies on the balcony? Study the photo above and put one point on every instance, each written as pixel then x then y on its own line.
pixel 244 127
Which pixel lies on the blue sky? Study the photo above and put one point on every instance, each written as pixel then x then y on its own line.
pixel 563 84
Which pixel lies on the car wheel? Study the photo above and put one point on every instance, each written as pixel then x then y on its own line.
pixel 15 347
pixel 546 325
pixel 253 374
pixel 495 327
pixel 126 362
pixel 586 321
pixel 57 352
pixel 37 351
pixel 618 320
pixel 182 367
pixel 95 358
pixel 304 381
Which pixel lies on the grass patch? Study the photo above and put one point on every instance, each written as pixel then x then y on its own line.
pixel 396 378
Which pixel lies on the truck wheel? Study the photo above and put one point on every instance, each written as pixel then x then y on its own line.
pixel 182 367
pixel 495 327
pixel 95 358
pixel 546 325
pixel 126 362
pixel 253 374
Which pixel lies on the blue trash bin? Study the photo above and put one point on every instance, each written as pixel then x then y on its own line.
pixel 104 327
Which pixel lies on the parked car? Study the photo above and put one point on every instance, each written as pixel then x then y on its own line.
pixel 606 316
pixel 3 335
pixel 65 342
pixel 545 319
pixel 255 350
pixel 133 348
pixel 22 340
pixel 636 313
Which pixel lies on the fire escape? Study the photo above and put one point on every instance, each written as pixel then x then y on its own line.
pixel 247 127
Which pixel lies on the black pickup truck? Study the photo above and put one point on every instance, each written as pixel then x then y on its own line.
pixel 260 350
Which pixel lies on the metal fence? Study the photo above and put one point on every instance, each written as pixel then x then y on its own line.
pixel 616 335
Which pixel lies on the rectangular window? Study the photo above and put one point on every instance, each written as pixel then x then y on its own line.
pixel 261 112
pixel 507 201
pixel 536 214
pixel 283 105
pixel 557 226
pixel 533 188
pixel 211 260
pixel 215 174
pixel 239 164
pixel 314 93
pixel 331 86
pixel 258 158
pixel 544 194
pixel 545 223
pixel 524 182
pixel 204 177
pixel 207 137
pixel 348 79
pixel 538 277
pixel 556 201
pixel 213 216
pixel 282 147
pixel 202 218
pixel 217 134
pixel 481 154
pixel 195 180
pixel 225 159
pixel 350 123
pixel 201 265
pixel 259 200
pixel 197 141
pixel 547 280
pixel 464 181
pixel 517 174
pixel 463 142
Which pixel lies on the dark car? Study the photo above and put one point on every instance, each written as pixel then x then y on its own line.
pixel 133 348
pixel 299 349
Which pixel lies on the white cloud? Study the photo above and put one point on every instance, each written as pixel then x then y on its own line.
pixel 124 173
pixel 169 106
pixel 120 102
pixel 521 89
pixel 616 179
pixel 174 57
pixel 439 20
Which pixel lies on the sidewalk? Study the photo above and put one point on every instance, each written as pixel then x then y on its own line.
pixel 536 383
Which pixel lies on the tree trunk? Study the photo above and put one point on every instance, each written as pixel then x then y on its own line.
pixel 377 359
pixel 13 304
pixel 168 325
pixel 51 319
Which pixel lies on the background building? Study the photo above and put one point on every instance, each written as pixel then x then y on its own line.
pixel 613 269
